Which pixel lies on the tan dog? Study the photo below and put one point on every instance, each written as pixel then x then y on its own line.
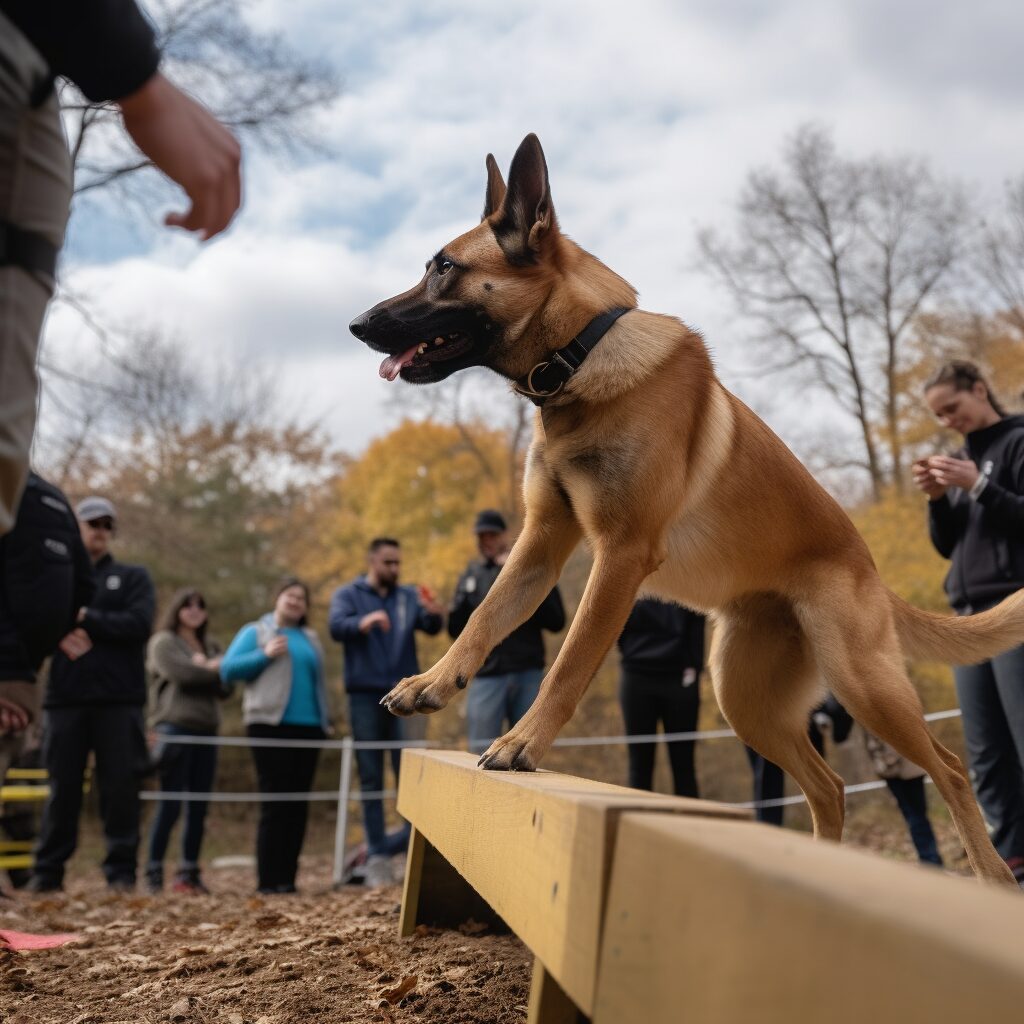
pixel 680 491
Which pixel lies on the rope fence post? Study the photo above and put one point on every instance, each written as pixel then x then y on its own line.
pixel 341 825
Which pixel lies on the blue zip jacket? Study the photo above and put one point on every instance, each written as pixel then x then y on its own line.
pixel 375 661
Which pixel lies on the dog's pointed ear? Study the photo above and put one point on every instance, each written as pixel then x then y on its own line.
pixel 527 214
pixel 495 194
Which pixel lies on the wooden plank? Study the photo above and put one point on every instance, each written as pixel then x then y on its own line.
pixel 436 894
pixel 548 1002
pixel 537 846
pixel 709 921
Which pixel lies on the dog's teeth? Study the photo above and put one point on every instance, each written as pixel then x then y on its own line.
pixel 421 349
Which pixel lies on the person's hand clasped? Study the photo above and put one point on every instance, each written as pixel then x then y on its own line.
pixel 75 644
pixel 950 472
pixel 378 618
pixel 924 479
pixel 275 647
pixel 13 717
pixel 188 144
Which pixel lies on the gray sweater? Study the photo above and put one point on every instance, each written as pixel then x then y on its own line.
pixel 181 693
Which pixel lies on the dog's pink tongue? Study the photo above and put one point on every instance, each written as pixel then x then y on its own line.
pixel 392 366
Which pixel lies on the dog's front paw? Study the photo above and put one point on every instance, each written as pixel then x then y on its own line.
pixel 519 750
pixel 425 693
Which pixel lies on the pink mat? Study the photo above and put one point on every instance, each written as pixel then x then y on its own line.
pixel 22 940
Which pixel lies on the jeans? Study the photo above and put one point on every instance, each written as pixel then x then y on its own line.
pixel 183 768
pixel 114 732
pixel 913 806
pixel 646 700
pixel 991 698
pixel 282 826
pixel 494 699
pixel 372 723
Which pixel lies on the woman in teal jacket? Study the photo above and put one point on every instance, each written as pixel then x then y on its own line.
pixel 281 663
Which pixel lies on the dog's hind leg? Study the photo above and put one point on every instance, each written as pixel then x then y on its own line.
pixel 766 686
pixel 855 643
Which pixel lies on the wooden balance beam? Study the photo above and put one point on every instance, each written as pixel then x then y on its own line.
pixel 710 921
pixel 531 850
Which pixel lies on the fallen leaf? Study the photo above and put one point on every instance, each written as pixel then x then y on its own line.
pixel 397 994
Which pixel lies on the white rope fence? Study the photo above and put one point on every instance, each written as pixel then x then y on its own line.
pixel 344 794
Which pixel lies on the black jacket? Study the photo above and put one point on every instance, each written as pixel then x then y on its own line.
pixel 118 621
pixel 984 538
pixel 106 47
pixel 45 577
pixel 662 639
pixel 524 648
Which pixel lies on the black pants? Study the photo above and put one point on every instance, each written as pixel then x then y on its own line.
pixel 114 733
pixel 282 826
pixel 646 700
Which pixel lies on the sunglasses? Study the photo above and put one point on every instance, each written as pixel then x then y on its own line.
pixel 105 523
pixel 195 602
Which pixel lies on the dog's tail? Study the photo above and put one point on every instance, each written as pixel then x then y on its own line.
pixel 959 639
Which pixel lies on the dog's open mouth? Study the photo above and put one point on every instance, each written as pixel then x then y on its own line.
pixel 416 360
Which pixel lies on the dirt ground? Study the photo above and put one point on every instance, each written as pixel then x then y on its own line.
pixel 321 955
pixel 235 958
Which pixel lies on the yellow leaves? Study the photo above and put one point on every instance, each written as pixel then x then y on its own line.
pixel 422 483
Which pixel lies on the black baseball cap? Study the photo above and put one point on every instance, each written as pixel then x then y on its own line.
pixel 490 521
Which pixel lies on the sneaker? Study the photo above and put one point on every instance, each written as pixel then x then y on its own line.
pixel 155 880
pixel 188 880
pixel 189 885
pixel 377 871
pixel 353 864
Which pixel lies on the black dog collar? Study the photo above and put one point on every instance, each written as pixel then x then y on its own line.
pixel 546 379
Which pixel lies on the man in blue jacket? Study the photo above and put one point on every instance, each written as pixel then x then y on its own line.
pixel 376 620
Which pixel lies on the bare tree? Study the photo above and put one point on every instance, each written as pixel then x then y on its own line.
pixel 1001 262
pixel 833 259
pixel 252 82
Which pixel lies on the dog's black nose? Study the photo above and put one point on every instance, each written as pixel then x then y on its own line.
pixel 358 326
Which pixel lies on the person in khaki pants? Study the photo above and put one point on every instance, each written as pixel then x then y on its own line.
pixel 107 48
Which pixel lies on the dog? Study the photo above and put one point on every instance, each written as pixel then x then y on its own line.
pixel 682 492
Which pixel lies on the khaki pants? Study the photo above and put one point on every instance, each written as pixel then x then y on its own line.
pixel 35 194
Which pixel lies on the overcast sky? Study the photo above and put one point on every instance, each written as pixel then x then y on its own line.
pixel 650 113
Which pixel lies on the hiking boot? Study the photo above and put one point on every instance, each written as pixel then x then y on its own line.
pixel 377 871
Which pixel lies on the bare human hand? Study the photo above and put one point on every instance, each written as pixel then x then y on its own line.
pixel 950 472
pixel 276 647
pixel 13 717
pixel 75 644
pixel 925 480
pixel 190 146
pixel 378 618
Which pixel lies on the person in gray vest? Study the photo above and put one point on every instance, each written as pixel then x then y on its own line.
pixel 280 661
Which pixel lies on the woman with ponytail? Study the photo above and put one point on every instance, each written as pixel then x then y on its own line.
pixel 976 519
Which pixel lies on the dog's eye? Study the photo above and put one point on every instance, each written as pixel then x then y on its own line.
pixel 444 265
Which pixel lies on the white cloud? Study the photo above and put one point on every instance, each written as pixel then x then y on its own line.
pixel 651 114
